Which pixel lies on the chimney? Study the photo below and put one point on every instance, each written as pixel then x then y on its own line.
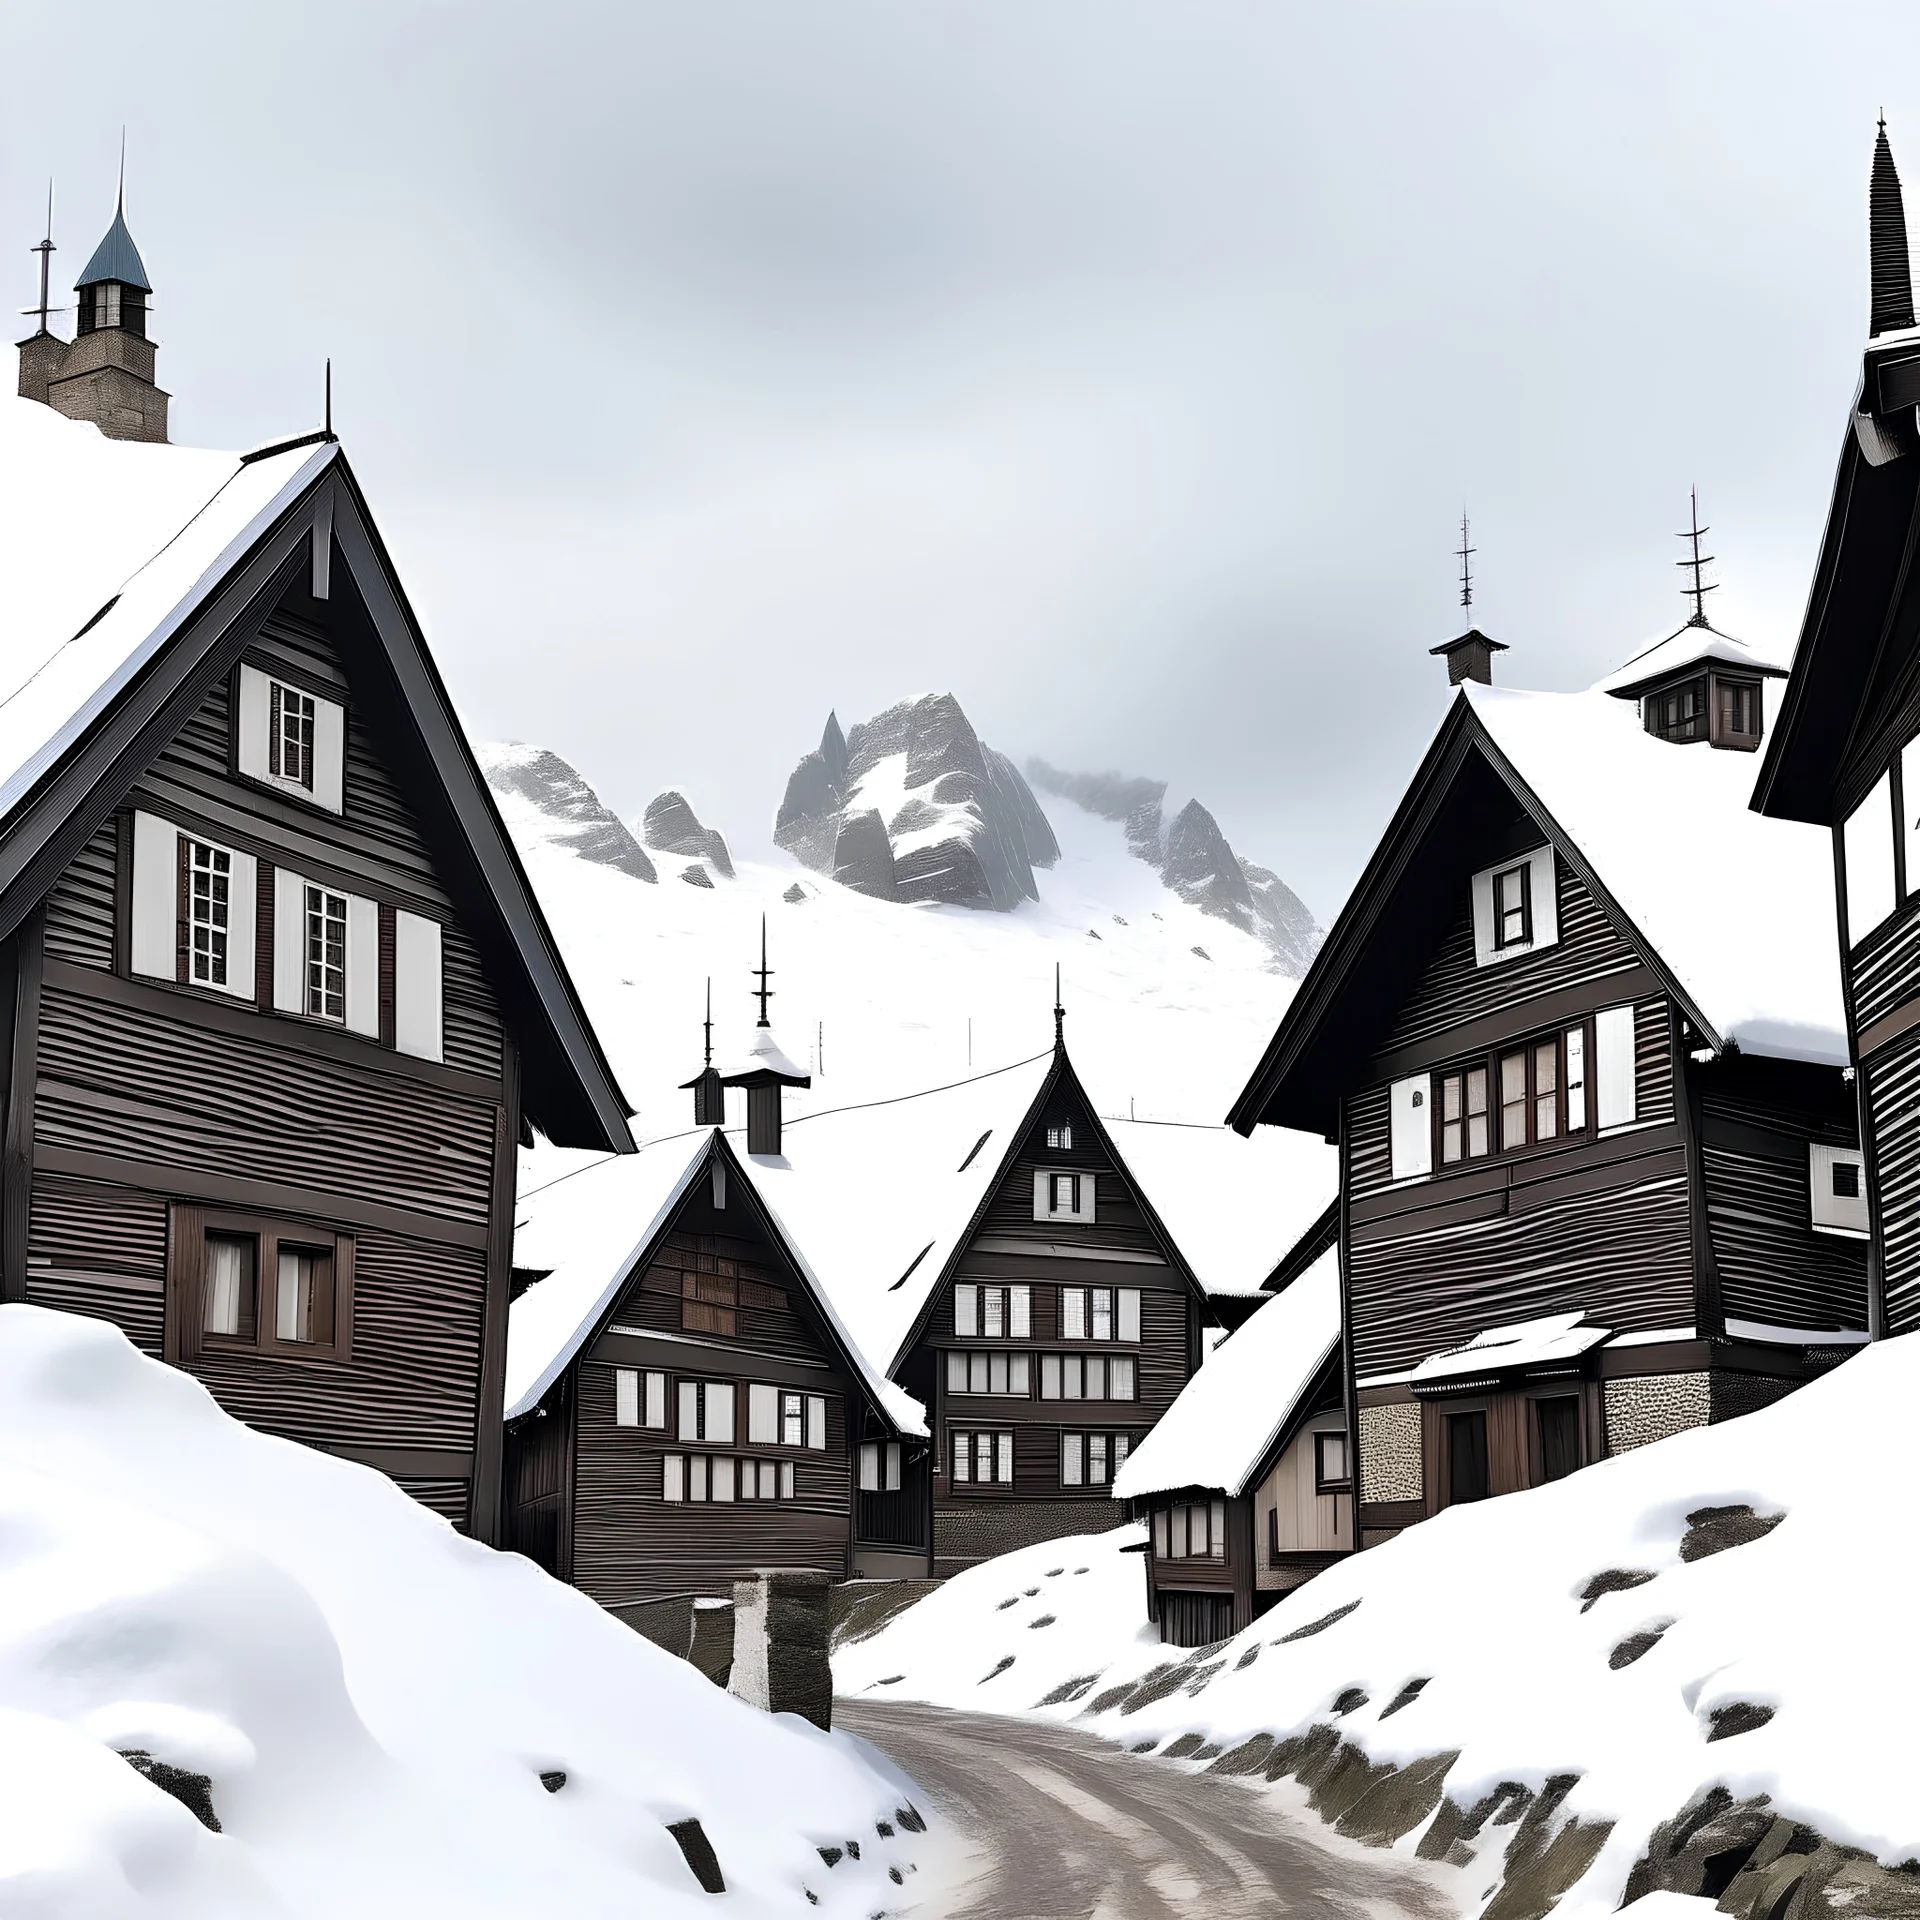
pixel 709 1095
pixel 1892 271
pixel 1470 657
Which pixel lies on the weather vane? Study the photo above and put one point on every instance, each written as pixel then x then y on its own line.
pixel 1464 553
pixel 1700 588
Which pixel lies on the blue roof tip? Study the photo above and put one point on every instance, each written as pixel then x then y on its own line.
pixel 116 258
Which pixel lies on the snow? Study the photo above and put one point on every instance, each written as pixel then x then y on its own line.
pixel 1689 646
pixel 1738 906
pixel 764 1054
pixel 1487 1603
pixel 84 519
pixel 372 1696
pixel 1229 1414
pixel 1527 1343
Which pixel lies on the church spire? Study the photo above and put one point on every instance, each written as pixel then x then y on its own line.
pixel 1887 229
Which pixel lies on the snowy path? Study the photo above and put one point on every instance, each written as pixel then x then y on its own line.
pixel 1064 1827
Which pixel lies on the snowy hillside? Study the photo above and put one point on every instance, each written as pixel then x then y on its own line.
pixel 241 1678
pixel 1539 1687
pixel 1167 1007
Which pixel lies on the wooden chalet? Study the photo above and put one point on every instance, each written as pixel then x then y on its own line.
pixel 278 1001
pixel 1579 1037
pixel 1245 1485
pixel 1845 752
pixel 685 1407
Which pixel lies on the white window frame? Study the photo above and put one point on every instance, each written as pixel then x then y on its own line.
pixel 1543 908
pixel 1616 1069
pixel 254 743
pixel 706 1412
pixel 1410 1127
pixel 1831 1212
pixel 1043 1195
pixel 880 1466
pixel 1867 837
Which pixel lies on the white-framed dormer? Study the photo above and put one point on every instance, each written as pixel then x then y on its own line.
pixel 1063 1194
pixel 290 738
pixel 1516 908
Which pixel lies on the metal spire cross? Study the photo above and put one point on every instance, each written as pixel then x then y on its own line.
pixel 1059 1010
pixel 45 250
pixel 763 993
pixel 1464 553
pixel 708 1022
pixel 1700 588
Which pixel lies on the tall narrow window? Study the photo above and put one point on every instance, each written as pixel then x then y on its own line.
pixel 326 954
pixel 1576 1079
pixel 303 1300
pixel 1330 1463
pixel 1464 1128
pixel 1546 1090
pixel 1100 1311
pixel 1512 907
pixel 793 1420
pixel 290 741
pixel 1513 1100
pixel 209 912
pixel 231 1285
pixel 1064 1192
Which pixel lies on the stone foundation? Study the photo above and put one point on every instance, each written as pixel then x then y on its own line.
pixel 1655 1407
pixel 1390 1458
pixel 964 1535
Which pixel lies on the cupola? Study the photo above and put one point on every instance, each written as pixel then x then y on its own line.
pixel 1470 656
pixel 766 1069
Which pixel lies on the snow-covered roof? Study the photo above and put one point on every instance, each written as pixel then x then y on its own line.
pixel 1738 907
pixel 1233 1205
pixel 1690 646
pixel 1527 1343
pixel 105 547
pixel 1217 1433
pixel 594 1226
pixel 764 1054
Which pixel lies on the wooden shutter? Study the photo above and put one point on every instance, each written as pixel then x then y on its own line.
pixel 363 967
pixel 1073 1313
pixel 154 943
pixel 1615 1074
pixel 253 726
pixel 289 941
pixel 656 1400
pixel 1868 840
pixel 626 1397
pixel 816 1422
pixel 673 1477
pixel 1129 1318
pixel 763 1415
pixel 1411 1106
pixel 329 754
pixel 966 1311
pixel 243 909
pixel 417 1007
pixel 276 726
pixel 689 1410
pixel 1019 1313
pixel 719 1421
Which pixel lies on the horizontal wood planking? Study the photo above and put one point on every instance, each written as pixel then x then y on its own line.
pixel 1652 1060
pixel 81 904
pixel 1454 990
pixel 629 1543
pixel 1886 967
pixel 1623 1256
pixel 1893 1081
pixel 447 1498
pixel 130 1082
pixel 655 1301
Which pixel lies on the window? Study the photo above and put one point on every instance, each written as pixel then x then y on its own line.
pixel 1467 1457
pixel 983 1459
pixel 714 1478
pixel 639 1399
pixel 1063 1193
pixel 1557 1424
pixel 290 735
pixel 1100 1313
pixel 707 1302
pixel 1679 713
pixel 1542 1089
pixel 1059 1194
pixel 992 1313
pixel 1512 911
pixel 1192 1532
pixel 326 954
pixel 793 1420
pixel 1091 1459
pixel 1836 1178
pixel 880 1466
pixel 1739 709
pixel 706 1411
pixel 1330 1473
pixel 243 1283
pixel 783 1417
pixel 1060 1138
pixel 1005 1373
pixel 208 873
pixel 1086 1376
pixel 1866 841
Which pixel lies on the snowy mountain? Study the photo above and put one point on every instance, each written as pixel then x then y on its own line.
pixel 1193 857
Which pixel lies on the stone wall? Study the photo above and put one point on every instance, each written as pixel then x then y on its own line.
pixel 965 1535
pixel 1390 1460
pixel 1655 1407
pixel 1738 1393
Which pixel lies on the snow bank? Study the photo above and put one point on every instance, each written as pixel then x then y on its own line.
pixel 373 1698
pixel 1609 1626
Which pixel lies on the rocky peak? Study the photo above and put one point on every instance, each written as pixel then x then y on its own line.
pixel 547 784
pixel 670 825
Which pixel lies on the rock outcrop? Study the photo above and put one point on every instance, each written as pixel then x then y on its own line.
pixel 670 825
pixel 549 785
pixel 914 805
pixel 1192 856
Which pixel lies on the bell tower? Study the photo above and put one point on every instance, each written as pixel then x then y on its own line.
pixel 105 374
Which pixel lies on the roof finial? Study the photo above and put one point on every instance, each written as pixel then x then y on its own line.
pixel 329 404
pixel 45 250
pixel 1059 1010
pixel 120 199
pixel 1700 588
pixel 763 993
pixel 708 1022
pixel 1891 269
pixel 1464 553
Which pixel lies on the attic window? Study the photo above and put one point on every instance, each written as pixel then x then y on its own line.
pixel 1678 713
pixel 1063 1192
pixel 1513 907
pixel 1060 1138
pixel 1739 704
pixel 290 735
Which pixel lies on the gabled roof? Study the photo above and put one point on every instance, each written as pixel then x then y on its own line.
pixel 115 258
pixel 1232 1416
pixel 131 577
pixel 1694 645
pixel 1734 914
pixel 614 1227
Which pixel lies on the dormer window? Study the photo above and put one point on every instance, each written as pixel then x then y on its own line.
pixel 1722 709
pixel 1678 713
pixel 1063 1193
pixel 1512 909
pixel 1736 713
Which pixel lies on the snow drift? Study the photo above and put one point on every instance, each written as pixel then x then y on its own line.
pixel 382 1717
pixel 1727 1610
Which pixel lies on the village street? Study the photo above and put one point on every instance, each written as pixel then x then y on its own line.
pixel 1065 1827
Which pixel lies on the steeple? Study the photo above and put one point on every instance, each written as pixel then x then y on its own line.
pixel 766 1069
pixel 106 374
pixel 709 1096
pixel 1887 230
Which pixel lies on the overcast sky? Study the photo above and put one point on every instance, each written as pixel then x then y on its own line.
pixel 1122 367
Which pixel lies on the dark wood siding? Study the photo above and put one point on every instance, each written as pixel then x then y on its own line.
pixel 80 907
pixel 1886 967
pixel 1453 990
pixel 1893 1082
